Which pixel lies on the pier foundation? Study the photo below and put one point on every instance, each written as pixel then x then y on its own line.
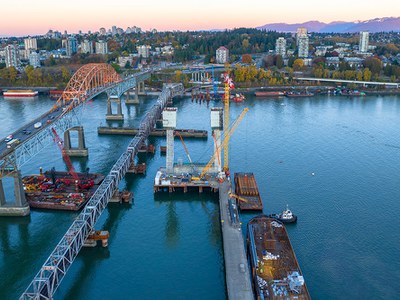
pixel 20 207
pixel 110 116
pixel 134 100
pixel 81 150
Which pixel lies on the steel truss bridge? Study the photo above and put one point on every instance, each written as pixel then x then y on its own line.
pixel 56 266
pixel 88 82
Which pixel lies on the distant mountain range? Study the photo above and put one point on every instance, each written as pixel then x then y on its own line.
pixel 374 25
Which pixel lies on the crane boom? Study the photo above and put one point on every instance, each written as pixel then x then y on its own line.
pixel 67 160
pixel 238 197
pixel 229 132
pixel 184 146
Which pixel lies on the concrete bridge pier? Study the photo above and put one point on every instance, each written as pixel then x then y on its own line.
pixel 81 150
pixel 141 88
pixel 128 99
pixel 20 207
pixel 110 116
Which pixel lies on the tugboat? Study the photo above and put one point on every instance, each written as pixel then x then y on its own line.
pixel 285 216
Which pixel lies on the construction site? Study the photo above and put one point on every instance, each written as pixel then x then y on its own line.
pixel 215 176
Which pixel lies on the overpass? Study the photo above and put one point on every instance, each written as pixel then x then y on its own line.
pixel 49 277
pixel 364 83
pixel 88 82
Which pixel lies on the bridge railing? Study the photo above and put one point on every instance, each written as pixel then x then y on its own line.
pixel 54 269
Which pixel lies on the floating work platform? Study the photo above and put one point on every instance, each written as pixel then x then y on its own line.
pixel 59 191
pixel 157 132
pixel 137 169
pixel 274 266
pixel 246 187
pixel 182 181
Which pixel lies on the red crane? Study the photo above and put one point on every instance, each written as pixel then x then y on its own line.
pixel 67 160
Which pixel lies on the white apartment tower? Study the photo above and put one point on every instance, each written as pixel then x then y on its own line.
pixel 364 39
pixel 301 32
pixel 12 56
pixel 87 47
pixel 280 46
pixel 101 47
pixel 222 55
pixel 30 44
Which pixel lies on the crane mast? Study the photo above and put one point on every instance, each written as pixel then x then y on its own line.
pixel 228 86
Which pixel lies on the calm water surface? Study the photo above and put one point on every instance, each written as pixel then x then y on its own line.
pixel 169 246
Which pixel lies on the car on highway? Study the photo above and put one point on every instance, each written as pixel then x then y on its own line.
pixel 9 138
pixel 12 143
pixel 37 125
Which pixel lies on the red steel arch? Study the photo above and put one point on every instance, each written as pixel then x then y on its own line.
pixel 87 80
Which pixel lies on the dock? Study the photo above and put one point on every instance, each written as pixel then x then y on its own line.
pixel 157 132
pixel 246 187
pixel 236 267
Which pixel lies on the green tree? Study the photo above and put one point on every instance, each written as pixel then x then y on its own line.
pixel 374 64
pixel 66 76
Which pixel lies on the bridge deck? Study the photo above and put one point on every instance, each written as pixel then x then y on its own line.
pixel 236 267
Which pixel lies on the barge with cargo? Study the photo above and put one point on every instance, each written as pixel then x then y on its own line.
pixel 246 188
pixel 20 94
pixel 60 190
pixel 274 266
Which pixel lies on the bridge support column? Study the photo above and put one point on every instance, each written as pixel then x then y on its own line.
pixel 142 89
pixel 2 196
pixel 169 123
pixel 128 99
pixel 81 150
pixel 110 116
pixel 20 207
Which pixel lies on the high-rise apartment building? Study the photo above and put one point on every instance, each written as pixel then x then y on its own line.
pixel 303 46
pixel 71 46
pixel 12 56
pixel 101 47
pixel 222 55
pixel 364 39
pixel 280 46
pixel 87 47
pixel 30 44
pixel 301 32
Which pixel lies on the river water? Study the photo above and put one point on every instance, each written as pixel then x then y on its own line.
pixel 334 160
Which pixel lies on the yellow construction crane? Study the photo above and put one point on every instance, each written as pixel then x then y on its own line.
pixel 229 132
pixel 232 195
pixel 228 85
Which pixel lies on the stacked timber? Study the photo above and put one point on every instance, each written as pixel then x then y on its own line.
pixel 246 187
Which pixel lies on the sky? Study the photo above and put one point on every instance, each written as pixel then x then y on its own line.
pixel 30 17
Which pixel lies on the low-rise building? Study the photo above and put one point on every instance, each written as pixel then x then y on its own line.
pixel 34 59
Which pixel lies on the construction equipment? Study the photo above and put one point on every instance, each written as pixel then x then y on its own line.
pixel 184 146
pixel 227 135
pixel 83 184
pixel 228 86
pixel 232 195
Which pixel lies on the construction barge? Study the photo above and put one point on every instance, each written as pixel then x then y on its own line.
pixel 60 190
pixel 274 267
pixel 156 132
pixel 247 189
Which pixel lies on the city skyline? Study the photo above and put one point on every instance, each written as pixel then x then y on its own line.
pixel 34 18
